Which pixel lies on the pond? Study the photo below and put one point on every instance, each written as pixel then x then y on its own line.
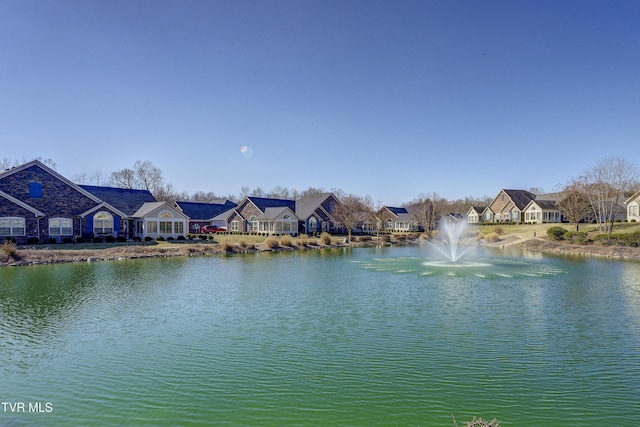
pixel 361 337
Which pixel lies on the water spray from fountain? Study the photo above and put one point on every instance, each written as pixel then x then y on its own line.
pixel 449 240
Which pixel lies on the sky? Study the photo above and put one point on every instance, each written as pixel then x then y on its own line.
pixel 390 99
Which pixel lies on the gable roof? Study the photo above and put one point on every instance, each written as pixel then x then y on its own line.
pixel 632 198
pixel 308 204
pixel 37 163
pixel 520 197
pixel 200 210
pixel 262 203
pixel 127 200
pixel 23 205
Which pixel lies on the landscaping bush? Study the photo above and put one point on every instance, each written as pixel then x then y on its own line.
pixel 302 240
pixel 226 246
pixel 325 238
pixel 9 248
pixel 492 237
pixel 286 240
pixel 556 233
pixel 579 237
pixel 271 242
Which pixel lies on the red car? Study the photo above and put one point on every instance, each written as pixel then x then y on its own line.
pixel 208 229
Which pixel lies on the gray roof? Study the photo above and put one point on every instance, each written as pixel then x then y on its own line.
pixel 307 205
pixel 126 200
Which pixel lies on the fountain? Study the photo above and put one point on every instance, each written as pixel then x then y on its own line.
pixel 449 239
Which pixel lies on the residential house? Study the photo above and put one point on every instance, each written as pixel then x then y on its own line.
pixel 38 203
pixel 160 219
pixel 633 207
pixel 542 211
pixel 201 214
pixel 508 206
pixel 315 213
pixel 474 214
pixel 398 219
pixel 262 215
pixel 119 221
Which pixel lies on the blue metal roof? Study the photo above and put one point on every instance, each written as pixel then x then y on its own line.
pixel 199 211
pixel 262 203
pixel 126 200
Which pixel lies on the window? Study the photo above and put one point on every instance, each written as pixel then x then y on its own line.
pixel 10 226
pixel 103 223
pixel 35 190
pixel 60 227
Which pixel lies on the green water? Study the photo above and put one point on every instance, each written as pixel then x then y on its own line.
pixel 321 338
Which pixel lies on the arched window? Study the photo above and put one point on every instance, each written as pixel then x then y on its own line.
pixel 103 223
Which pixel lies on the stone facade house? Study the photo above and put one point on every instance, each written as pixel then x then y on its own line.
pixel 316 213
pixel 508 206
pixel 38 203
pixel 262 215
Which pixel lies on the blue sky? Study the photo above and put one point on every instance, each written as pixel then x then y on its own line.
pixel 383 98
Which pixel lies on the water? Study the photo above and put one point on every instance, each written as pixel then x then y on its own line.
pixel 367 337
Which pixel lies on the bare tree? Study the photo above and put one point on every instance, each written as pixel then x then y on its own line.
pixel 428 210
pixel 605 185
pixel 574 205
pixel 124 178
pixel 148 176
pixel 352 210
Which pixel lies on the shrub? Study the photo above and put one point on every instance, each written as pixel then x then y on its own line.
pixel 271 242
pixel 579 237
pixel 9 248
pixel 226 246
pixel 556 233
pixel 286 240
pixel 325 238
pixel 303 240
pixel 492 237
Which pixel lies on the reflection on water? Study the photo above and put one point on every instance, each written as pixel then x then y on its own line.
pixel 372 337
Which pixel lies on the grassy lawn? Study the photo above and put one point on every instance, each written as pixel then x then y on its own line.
pixel 541 229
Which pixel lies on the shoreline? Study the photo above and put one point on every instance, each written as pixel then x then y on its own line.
pixel 25 257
